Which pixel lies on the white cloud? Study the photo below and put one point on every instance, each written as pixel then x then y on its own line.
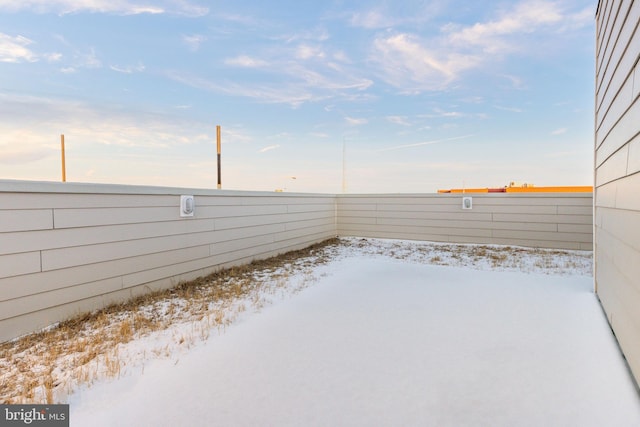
pixel 560 131
pixel 511 109
pixel 419 144
pixel 407 62
pixel 53 57
pixel 245 61
pixel 269 148
pixel 414 64
pixel 129 69
pixel 319 134
pixel 492 36
pixel 307 52
pixel 14 49
pixel 371 19
pixel 122 7
pixel 356 121
pixel 88 60
pixel 398 120
pixel 193 41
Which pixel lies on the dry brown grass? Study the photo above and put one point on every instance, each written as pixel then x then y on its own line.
pixel 45 366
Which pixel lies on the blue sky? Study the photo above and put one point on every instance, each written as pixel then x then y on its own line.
pixel 409 96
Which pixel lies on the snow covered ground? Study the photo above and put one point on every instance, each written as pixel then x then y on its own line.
pixel 388 333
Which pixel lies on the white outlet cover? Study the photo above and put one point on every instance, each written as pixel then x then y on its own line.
pixel 467 203
pixel 187 206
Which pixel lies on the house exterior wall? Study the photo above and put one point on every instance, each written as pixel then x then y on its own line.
pixel 554 220
pixel 617 172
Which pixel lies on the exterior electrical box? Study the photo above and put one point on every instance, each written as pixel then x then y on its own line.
pixel 187 206
pixel 467 203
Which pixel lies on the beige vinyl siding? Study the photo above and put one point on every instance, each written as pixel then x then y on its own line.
pixel 617 172
pixel 69 248
pixel 538 220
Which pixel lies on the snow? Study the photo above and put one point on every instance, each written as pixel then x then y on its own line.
pixel 386 340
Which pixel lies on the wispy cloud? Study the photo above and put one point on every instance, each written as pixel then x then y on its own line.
pixel 14 49
pixel 303 82
pixel 415 63
pixel 269 148
pixel 406 61
pixel 511 109
pixel 129 69
pixel 399 120
pixel 371 19
pixel 86 60
pixel 121 7
pixel 356 121
pixel 560 131
pixel 305 51
pixel 245 61
pixel 493 36
pixel 419 144
pixel 193 41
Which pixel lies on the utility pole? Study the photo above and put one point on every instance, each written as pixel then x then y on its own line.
pixel 344 166
pixel 64 167
pixel 219 145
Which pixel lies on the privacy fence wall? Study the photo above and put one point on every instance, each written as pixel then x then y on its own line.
pixel 70 248
pixel 549 220
pixel 617 171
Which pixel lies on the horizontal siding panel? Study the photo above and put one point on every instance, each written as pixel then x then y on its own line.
pixel 624 259
pixel 436 208
pixel 613 21
pixel 238 211
pixel 19 264
pixel 440 223
pixel 328 208
pixel 576 228
pixel 434 231
pixel 539 199
pixel 537 243
pixel 633 165
pixel 70 257
pixel 625 130
pixel 541 235
pixel 60 200
pixel 357 221
pixel 319 223
pixel 25 220
pixel 291 240
pixel 622 225
pixel 68 218
pixel 620 64
pixel 566 219
pixel 20 286
pixel 240 222
pixel 41 301
pixel 606 195
pixel 238 244
pixel 577 210
pixel 344 206
pixel 613 168
pixel 630 188
pixel 614 107
pixel 241 233
pixel 516 209
pixel 468 216
pixel 172 271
